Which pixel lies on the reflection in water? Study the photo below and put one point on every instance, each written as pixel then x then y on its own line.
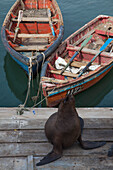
pixel 18 80
pixel 94 96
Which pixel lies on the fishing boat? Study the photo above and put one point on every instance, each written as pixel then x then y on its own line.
pixel 31 31
pixel 82 60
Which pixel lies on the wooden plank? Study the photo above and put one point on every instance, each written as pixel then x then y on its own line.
pixel 32 36
pixel 20 164
pixel 44 113
pixel 84 37
pixel 65 163
pixel 34 123
pixel 34 41
pixel 91 162
pixel 93 118
pixel 64 74
pixel 41 149
pixel 53 80
pixel 76 63
pixel 35 12
pixel 29 136
pixel 89 51
pixel 13 163
pixel 31 48
pixel 35 19
pixel 30 162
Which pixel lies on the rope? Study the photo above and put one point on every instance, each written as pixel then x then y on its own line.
pixel 21 109
pixel 42 99
pixel 39 89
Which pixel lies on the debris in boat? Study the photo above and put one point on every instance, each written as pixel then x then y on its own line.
pixel 60 63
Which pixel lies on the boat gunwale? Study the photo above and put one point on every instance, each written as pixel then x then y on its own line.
pixel 83 78
pixel 79 87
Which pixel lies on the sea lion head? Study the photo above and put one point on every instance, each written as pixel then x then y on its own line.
pixel 67 104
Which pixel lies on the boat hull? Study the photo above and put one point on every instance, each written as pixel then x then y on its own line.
pixel 57 84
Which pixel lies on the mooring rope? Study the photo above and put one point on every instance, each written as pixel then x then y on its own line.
pixel 42 99
pixel 22 106
pixel 39 89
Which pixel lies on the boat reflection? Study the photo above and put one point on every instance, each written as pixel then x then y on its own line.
pixel 17 80
pixel 97 94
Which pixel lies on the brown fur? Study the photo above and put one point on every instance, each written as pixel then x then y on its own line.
pixel 63 129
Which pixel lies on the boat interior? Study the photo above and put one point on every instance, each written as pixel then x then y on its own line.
pixel 26 31
pixel 101 30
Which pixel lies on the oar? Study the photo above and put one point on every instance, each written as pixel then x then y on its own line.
pixel 82 46
pixel 20 15
pixel 50 22
pixel 101 49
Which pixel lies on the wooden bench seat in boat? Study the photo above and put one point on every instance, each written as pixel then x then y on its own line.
pixel 35 12
pixel 32 36
pixel 64 74
pixel 53 80
pixel 34 19
pixel 35 41
pixel 76 63
pixel 31 48
pixel 89 51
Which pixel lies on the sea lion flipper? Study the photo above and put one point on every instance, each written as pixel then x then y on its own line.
pixel 90 144
pixel 55 154
pixel 50 157
pixel 110 151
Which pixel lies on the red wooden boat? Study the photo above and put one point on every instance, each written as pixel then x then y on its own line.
pixel 31 31
pixel 89 52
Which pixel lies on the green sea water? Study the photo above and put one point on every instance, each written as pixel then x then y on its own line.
pixel 76 13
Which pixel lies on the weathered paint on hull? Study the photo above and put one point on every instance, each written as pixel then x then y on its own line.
pixel 54 99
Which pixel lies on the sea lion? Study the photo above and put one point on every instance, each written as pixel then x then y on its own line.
pixel 63 129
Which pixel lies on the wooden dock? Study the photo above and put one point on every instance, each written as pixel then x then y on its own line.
pixel 23 142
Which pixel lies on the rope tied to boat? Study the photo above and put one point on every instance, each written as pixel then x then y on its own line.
pixel 43 99
pixel 22 108
pixel 35 98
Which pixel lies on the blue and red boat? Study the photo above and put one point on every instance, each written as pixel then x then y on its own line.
pixel 31 31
